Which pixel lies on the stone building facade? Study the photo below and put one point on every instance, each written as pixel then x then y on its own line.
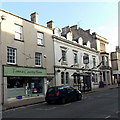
pixel 26 56
pixel 115 61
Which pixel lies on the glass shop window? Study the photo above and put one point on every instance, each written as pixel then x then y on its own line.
pixel 37 85
pixel 15 82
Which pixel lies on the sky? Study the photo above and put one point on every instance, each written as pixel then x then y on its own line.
pixel 99 17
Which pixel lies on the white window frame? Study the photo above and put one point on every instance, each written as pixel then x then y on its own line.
pixel 84 60
pixel 11 55
pixel 75 57
pixel 40 38
pixel 38 59
pixel 18 32
pixel 94 62
pixel 64 58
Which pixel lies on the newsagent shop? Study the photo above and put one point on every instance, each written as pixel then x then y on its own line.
pixel 24 82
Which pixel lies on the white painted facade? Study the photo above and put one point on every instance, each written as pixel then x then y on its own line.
pixel 71 48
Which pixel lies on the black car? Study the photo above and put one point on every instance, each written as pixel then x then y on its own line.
pixel 62 94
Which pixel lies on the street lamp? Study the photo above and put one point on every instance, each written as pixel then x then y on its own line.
pixel 1 70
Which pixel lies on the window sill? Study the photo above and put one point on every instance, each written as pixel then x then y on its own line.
pixel 14 64
pixel 19 40
pixel 76 65
pixel 39 66
pixel 41 45
pixel 64 63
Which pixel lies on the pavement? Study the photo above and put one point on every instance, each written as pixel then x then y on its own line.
pixel 14 103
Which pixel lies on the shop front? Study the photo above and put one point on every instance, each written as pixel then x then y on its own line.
pixel 24 81
pixel 83 80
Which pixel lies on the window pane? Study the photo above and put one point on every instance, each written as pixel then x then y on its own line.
pixel 40 35
pixel 94 61
pixel 39 41
pixel 86 59
pixel 40 38
pixel 63 55
pixel 11 55
pixel 38 58
pixel 18 32
pixel 17 36
pixel 75 58
pixel 67 77
pixel 17 28
pixel 62 78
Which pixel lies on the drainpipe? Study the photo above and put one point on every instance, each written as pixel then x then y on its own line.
pixel 54 62
pixel 1 69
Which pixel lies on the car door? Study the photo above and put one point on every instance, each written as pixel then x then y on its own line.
pixel 71 94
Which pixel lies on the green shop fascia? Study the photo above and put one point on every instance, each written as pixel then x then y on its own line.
pixel 24 81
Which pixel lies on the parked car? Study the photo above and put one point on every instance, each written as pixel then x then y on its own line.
pixel 62 94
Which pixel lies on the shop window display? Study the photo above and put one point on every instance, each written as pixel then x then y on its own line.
pixel 37 85
pixel 15 87
pixel 24 86
pixel 15 82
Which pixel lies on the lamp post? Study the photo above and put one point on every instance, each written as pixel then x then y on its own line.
pixel 1 70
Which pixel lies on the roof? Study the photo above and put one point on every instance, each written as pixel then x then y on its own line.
pixel 24 19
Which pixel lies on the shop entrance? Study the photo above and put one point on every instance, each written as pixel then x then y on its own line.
pixel 84 81
pixel 87 83
pixel 34 86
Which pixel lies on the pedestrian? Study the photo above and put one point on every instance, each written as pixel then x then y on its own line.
pixel 101 84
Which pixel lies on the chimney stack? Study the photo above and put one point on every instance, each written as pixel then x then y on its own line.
pixel 50 24
pixel 74 27
pixel 34 17
pixel 88 31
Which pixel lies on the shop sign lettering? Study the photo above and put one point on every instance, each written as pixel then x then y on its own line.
pixel 22 71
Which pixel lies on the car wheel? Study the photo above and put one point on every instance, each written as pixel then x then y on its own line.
pixel 79 97
pixel 63 101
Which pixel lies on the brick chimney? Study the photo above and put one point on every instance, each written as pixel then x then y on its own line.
pixel 50 24
pixel 34 17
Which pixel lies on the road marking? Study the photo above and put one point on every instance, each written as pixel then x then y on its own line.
pixel 108 117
